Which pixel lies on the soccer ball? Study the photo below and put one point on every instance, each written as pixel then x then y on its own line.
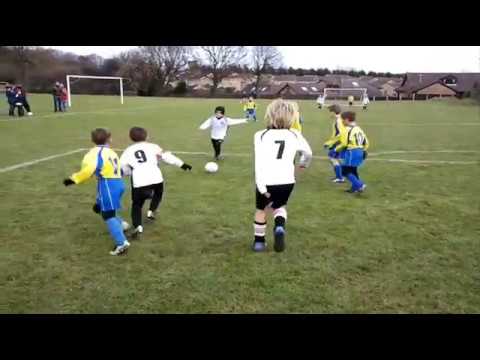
pixel 211 167
pixel 125 225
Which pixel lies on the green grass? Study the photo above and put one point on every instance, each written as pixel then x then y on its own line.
pixel 408 245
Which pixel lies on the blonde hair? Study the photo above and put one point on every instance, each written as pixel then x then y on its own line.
pixel 280 114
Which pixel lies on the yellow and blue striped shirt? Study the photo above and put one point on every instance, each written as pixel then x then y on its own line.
pixel 100 161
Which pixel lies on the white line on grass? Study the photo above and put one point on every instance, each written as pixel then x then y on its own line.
pixel 33 162
pixel 426 162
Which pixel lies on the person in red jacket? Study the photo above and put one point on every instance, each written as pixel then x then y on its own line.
pixel 64 98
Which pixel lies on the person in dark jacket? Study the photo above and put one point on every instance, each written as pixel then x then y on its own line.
pixel 10 93
pixel 57 102
pixel 21 101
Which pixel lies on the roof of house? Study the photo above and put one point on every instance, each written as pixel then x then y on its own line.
pixel 416 81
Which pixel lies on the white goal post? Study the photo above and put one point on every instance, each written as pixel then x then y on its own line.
pixel 345 92
pixel 92 77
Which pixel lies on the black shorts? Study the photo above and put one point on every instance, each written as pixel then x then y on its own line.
pixel 279 195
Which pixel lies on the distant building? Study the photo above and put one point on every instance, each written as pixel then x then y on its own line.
pixel 428 85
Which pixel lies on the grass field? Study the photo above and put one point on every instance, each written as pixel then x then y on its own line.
pixel 410 244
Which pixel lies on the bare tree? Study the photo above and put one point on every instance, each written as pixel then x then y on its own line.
pixel 219 59
pixel 166 62
pixel 137 72
pixel 263 58
pixel 23 61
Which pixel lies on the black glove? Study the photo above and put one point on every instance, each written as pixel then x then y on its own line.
pixel 68 182
pixel 186 167
pixel 96 209
pixel 365 155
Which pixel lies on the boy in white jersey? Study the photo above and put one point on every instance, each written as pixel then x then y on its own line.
pixel 140 160
pixel 219 124
pixel 275 151
pixel 321 101
pixel 365 101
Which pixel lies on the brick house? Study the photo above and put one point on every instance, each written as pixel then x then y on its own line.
pixel 429 85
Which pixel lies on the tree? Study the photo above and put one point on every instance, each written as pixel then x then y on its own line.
pixel 23 61
pixel 166 62
pixel 263 59
pixel 137 72
pixel 219 59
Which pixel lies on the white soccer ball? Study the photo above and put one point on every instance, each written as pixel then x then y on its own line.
pixel 211 167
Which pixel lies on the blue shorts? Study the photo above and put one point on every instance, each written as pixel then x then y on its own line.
pixel 109 194
pixel 332 154
pixel 353 157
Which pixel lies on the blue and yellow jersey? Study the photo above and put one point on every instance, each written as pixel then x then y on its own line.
pixel 352 138
pixel 100 161
pixel 297 123
pixel 337 129
pixel 249 105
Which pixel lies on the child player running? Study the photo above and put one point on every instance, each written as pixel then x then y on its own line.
pixel 275 150
pixel 219 125
pixel 333 141
pixel 103 162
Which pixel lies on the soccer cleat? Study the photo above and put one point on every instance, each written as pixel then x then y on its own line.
pixel 279 235
pixel 151 215
pixel 30 114
pixel 259 246
pixel 338 181
pixel 119 250
pixel 136 232
pixel 218 158
pixel 362 189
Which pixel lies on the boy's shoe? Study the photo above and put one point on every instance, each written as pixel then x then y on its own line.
pixel 151 215
pixel 136 232
pixel 259 246
pixel 30 114
pixel 219 158
pixel 279 235
pixel 338 181
pixel 119 250
pixel 362 189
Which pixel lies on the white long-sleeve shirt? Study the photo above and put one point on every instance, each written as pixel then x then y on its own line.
pixel 141 161
pixel 220 126
pixel 275 151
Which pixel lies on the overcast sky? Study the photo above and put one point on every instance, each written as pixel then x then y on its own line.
pixel 397 59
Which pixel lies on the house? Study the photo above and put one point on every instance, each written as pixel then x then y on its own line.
pixel 428 85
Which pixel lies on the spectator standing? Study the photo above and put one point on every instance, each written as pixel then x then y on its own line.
pixel 56 92
pixel 63 97
pixel 10 93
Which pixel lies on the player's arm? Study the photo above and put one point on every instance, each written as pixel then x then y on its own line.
pixel 125 166
pixel 206 124
pixel 305 150
pixel 343 140
pixel 89 164
pixel 171 159
pixel 232 122
pixel 366 143
pixel 259 166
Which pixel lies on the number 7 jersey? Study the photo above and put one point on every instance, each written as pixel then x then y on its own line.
pixel 275 151
pixel 141 159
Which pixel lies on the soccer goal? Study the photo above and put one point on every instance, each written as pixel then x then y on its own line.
pixel 71 79
pixel 339 95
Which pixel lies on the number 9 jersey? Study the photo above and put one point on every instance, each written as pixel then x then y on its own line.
pixel 141 159
pixel 275 151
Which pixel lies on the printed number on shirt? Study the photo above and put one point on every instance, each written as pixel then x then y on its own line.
pixel 140 155
pixel 360 138
pixel 280 148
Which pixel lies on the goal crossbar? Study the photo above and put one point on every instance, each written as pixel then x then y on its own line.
pixel 93 77
pixel 363 90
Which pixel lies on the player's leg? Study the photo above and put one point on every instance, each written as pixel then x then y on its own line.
pixel 337 168
pixel 27 107
pixel 55 104
pixel 216 149
pixel 110 193
pixel 260 223
pixel 280 196
pixel 139 196
pixel 11 110
pixel 156 200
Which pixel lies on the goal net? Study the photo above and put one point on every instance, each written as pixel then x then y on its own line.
pixel 94 85
pixel 344 95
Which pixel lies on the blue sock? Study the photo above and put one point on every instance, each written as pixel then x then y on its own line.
pixel 115 227
pixel 356 183
pixel 338 171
